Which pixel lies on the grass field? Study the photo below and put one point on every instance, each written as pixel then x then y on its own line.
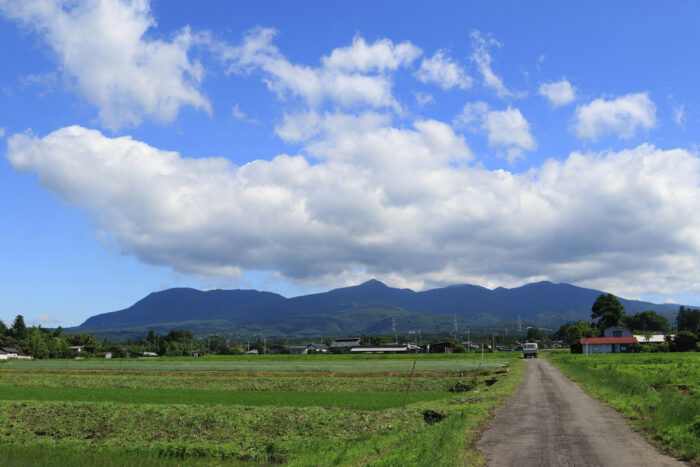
pixel 659 392
pixel 351 400
pixel 263 364
pixel 223 411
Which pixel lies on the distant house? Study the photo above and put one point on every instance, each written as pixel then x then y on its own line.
pixel 76 348
pixel 439 347
pixel 298 350
pixel 607 344
pixel 391 348
pixel 346 343
pixel 317 348
pixel 276 349
pixel 653 338
pixel 252 352
pixel 8 352
pixel 149 354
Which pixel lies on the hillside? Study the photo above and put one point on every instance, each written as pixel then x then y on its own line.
pixel 365 308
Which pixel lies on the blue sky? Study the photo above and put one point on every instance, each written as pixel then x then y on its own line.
pixel 295 147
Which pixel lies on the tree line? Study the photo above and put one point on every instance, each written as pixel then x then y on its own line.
pixel 607 311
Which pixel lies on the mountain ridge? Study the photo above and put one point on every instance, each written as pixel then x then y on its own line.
pixel 541 303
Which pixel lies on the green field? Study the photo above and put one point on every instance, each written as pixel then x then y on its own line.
pixel 659 392
pixel 331 411
pixel 351 400
pixel 263 364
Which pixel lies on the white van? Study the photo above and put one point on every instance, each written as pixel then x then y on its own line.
pixel 530 350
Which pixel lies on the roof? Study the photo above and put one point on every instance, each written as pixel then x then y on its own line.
pixel 298 347
pixel 652 339
pixel 10 350
pixel 608 340
pixel 354 342
pixel 394 348
pixel 319 346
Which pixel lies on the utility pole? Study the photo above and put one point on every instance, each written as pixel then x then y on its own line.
pixel 454 327
pixel 520 325
pixel 393 329
pixel 469 341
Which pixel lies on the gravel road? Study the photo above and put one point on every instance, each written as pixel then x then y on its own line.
pixel 550 421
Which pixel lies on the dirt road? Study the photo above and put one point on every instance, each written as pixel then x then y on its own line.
pixel 550 421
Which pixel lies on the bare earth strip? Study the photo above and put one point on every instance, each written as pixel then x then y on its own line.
pixel 550 421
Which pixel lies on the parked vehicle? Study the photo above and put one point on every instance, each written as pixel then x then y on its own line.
pixel 530 350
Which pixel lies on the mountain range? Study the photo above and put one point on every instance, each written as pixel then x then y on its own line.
pixel 368 308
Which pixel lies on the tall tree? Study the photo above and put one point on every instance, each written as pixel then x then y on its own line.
pixel 647 321
pixel 19 329
pixel 688 320
pixel 608 310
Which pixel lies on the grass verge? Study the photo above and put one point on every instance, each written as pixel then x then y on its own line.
pixel 654 392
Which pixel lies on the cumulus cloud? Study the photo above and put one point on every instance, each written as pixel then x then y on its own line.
pixel 482 58
pixel 102 47
pixel 623 116
pixel 443 71
pixel 44 320
pixel 362 57
pixel 423 98
pixel 398 203
pixel 506 129
pixel 558 93
pixel 350 77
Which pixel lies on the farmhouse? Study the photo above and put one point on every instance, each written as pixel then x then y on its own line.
pixel 439 347
pixel 317 348
pixel 607 344
pixel 8 352
pixel 298 349
pixel 346 343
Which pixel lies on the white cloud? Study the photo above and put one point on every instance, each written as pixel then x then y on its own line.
pixel 623 116
pixel 237 113
pixel 381 201
pixel 2 131
pixel 506 129
pixel 43 320
pixel 381 56
pixel 679 116
pixel 482 59
pixel 102 46
pixel 443 71
pixel 423 98
pixel 509 128
pixel 350 77
pixel 559 93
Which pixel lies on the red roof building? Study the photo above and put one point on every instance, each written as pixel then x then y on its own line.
pixel 608 340
pixel 607 344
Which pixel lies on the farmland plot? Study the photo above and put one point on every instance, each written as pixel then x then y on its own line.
pixel 258 414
